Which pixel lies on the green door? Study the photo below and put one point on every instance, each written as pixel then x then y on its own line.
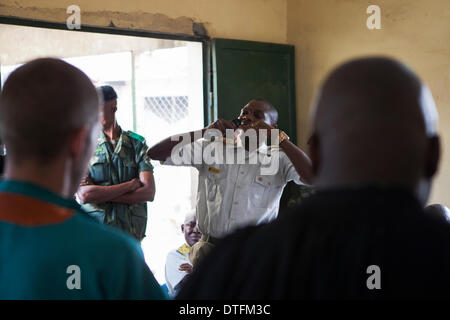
pixel 244 70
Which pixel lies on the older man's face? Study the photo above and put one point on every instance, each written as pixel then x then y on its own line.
pixel 190 229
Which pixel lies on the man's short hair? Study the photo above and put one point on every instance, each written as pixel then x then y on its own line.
pixel 42 102
pixel 273 111
pixel 265 102
pixel 107 93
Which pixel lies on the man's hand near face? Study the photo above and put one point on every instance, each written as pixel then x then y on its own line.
pixel 221 125
pixel 162 150
pixel 259 125
pixel 299 159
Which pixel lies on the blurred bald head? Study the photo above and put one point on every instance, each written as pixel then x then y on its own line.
pixel 439 211
pixel 375 122
pixel 42 102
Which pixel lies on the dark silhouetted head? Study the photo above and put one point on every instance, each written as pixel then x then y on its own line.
pixel 438 210
pixel 375 123
pixel 47 107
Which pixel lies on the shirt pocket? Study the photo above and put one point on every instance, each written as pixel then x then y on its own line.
pixel 130 170
pixel 215 182
pixel 99 169
pixel 263 189
pixel 138 220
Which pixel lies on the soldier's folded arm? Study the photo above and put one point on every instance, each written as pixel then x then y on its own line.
pixel 145 193
pixel 88 192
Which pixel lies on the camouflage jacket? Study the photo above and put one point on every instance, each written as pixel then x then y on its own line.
pixel 111 166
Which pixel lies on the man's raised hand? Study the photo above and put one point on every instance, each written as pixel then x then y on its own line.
pixel 222 125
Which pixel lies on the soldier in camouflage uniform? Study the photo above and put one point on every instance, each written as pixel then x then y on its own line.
pixel 120 177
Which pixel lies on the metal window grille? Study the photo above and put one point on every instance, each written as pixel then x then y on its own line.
pixel 169 108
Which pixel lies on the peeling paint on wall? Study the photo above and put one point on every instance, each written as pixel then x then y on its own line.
pixel 255 20
pixel 154 22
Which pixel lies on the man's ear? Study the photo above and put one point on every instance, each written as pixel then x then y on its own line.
pixel 182 228
pixel 433 156
pixel 78 142
pixel 314 147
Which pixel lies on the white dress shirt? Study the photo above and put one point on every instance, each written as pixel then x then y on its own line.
pixel 232 196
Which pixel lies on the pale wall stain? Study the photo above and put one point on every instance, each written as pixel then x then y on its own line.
pixel 155 22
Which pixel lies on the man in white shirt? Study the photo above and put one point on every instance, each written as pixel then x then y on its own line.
pixel 234 195
pixel 178 265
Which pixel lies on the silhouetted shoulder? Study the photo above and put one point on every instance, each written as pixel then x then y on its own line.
pixel 323 248
pixel 237 267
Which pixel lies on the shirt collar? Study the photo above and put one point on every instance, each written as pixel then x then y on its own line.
pixel 35 191
pixel 232 144
pixel 123 140
pixel 263 149
pixel 184 249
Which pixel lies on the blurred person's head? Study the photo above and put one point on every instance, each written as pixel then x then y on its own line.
pixel 108 106
pixel 49 121
pixel 438 210
pixel 375 123
pixel 190 229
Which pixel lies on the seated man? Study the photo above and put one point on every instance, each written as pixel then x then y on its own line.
pixel 363 234
pixel 178 265
pixel 233 194
pixel 49 247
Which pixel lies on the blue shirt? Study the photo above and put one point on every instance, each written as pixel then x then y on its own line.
pixel 51 249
